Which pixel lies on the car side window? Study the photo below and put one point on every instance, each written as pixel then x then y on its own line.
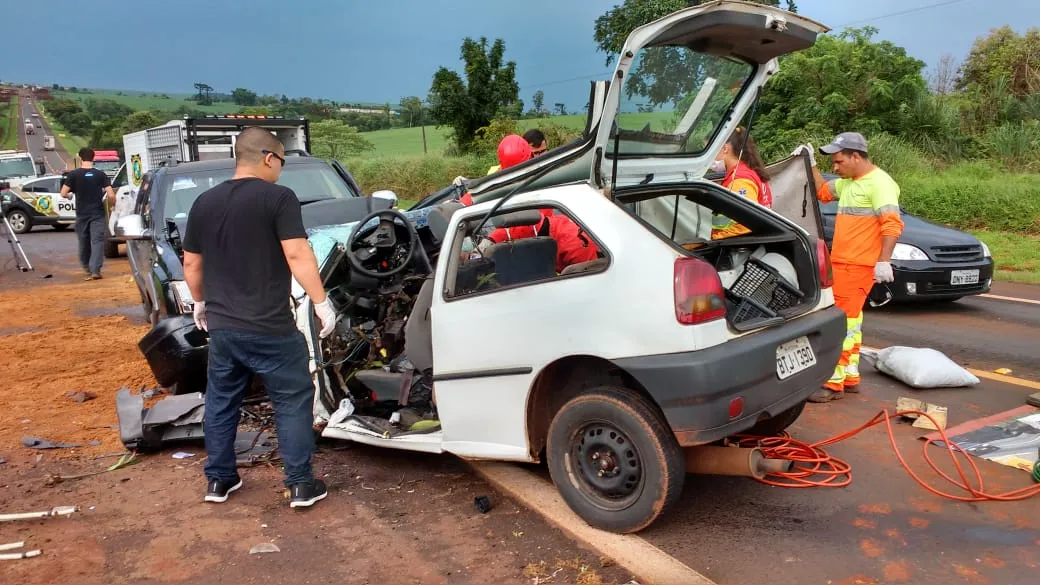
pixel 33 187
pixel 520 247
pixel 54 185
pixel 120 179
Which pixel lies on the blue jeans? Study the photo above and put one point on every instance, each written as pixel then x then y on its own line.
pixel 90 231
pixel 281 364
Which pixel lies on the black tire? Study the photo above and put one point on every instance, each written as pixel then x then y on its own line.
pixel 61 226
pixel 111 249
pixel 21 222
pixel 589 428
pixel 778 424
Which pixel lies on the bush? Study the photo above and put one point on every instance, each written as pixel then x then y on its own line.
pixel 896 156
pixel 412 178
pixel 974 196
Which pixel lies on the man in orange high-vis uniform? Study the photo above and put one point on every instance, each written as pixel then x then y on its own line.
pixel 865 233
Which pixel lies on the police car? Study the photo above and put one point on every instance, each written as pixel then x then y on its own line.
pixel 38 202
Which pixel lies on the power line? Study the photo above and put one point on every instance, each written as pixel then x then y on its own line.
pixel 900 13
pixel 871 19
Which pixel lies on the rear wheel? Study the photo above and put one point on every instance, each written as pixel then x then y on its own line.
pixel 614 460
pixel 778 424
pixel 20 221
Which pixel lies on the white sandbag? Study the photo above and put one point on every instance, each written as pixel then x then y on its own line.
pixel 922 367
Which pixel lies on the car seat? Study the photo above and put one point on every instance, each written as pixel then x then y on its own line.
pixel 525 260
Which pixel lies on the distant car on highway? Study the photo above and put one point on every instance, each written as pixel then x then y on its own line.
pixel 930 262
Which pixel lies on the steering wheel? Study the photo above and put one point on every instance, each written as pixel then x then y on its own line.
pixel 382 245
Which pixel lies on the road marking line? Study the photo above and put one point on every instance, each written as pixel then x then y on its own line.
pixel 990 375
pixel 1015 299
pixel 645 561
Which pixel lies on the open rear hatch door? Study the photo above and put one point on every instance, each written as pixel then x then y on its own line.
pixel 684 82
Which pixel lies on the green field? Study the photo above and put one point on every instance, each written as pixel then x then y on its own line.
pixel 70 143
pixel 408 141
pixel 1015 255
pixel 9 124
pixel 147 101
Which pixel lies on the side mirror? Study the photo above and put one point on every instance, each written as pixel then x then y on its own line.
pixel 388 195
pixel 131 227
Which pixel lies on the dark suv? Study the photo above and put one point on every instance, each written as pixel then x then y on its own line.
pixel 328 193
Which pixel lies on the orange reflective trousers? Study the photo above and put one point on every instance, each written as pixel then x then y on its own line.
pixel 852 284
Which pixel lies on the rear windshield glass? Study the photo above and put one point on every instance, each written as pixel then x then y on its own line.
pixel 310 182
pixel 16 167
pixel 674 98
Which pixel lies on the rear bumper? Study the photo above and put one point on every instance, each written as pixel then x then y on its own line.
pixel 927 280
pixel 176 350
pixel 694 389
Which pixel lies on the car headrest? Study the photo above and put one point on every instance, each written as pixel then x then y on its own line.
pixel 439 217
pixel 517 218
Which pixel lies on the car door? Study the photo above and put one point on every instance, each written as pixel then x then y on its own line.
pixel 141 252
pixel 682 85
pixel 64 207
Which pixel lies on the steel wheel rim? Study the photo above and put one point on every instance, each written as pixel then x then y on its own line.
pixel 606 465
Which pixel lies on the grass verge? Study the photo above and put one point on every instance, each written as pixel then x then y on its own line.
pixel 10 124
pixel 1015 255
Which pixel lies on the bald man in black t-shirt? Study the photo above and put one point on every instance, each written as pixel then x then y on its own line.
pixel 243 242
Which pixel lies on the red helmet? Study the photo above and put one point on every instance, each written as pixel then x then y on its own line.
pixel 513 150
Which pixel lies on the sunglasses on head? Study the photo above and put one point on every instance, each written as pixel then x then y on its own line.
pixel 274 154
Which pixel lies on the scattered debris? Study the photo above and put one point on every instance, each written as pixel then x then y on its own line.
pixel 20 555
pixel 921 367
pixel 182 455
pixel 1009 438
pixel 38 443
pixel 483 504
pixel 264 547
pixel 124 461
pixel 605 562
pixel 1033 399
pixel 2 460
pixel 1003 371
pixel 905 404
pixel 174 418
pixel 151 393
pixel 53 512
pixel 81 396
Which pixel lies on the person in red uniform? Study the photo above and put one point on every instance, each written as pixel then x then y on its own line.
pixel 746 176
pixel 573 245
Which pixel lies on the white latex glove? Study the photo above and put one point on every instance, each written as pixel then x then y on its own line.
pixel 199 313
pixel 459 180
pixel 327 316
pixel 806 147
pixel 883 272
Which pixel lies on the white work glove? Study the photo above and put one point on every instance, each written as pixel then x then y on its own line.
pixel 883 272
pixel 199 313
pixel 459 181
pixel 808 147
pixel 327 316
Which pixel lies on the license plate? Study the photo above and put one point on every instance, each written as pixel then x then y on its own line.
pixel 793 357
pixel 964 277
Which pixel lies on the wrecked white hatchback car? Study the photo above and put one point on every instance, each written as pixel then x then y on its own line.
pixel 609 367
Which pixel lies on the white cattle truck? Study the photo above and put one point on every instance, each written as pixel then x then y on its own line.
pixel 190 140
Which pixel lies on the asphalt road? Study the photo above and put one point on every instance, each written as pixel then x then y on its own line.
pixel 884 527
pixel 34 142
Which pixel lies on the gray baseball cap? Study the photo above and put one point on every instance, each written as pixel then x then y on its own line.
pixel 846 140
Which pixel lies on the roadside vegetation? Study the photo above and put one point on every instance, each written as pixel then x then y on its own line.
pixel 10 122
pixel 962 136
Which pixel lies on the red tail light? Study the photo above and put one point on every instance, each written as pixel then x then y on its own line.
pixel 823 261
pixel 698 292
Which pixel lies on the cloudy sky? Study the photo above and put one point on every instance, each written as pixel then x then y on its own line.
pixel 377 51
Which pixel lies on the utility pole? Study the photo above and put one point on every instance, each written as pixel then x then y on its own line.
pixel 422 122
